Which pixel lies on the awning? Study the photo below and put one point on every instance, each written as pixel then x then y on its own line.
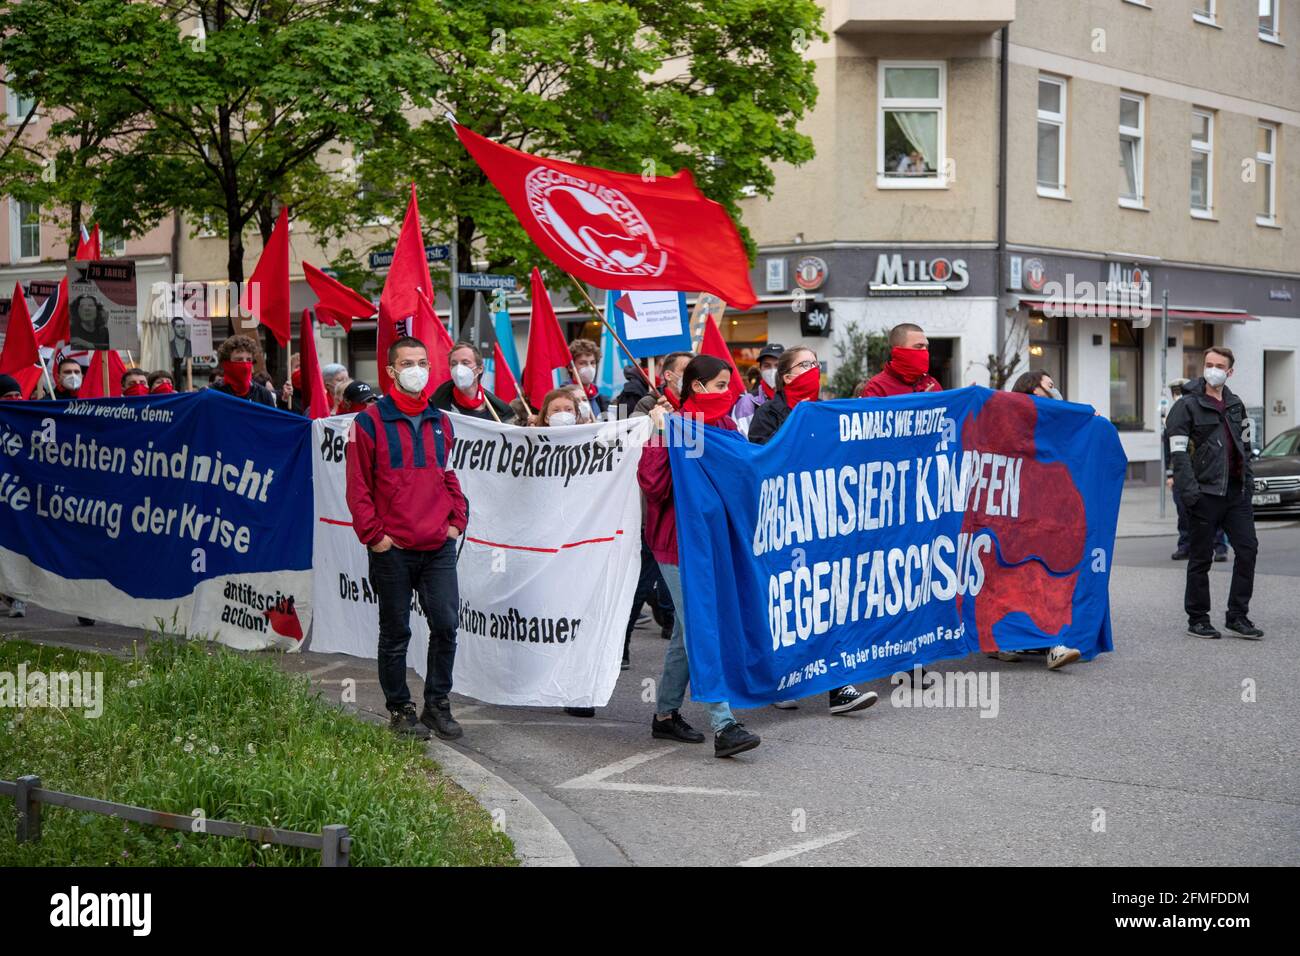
pixel 1212 315
pixel 1040 305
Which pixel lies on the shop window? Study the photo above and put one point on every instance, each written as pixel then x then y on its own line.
pixel 1125 375
pixel 1047 348
pixel 1197 337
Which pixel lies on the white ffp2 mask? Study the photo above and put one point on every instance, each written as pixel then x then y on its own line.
pixel 1215 377
pixel 413 378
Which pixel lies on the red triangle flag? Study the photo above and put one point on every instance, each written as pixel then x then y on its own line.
pixel 270 282
pixel 504 387
pixel 408 282
pixel 88 244
pixel 21 356
pixel 616 230
pixel 314 402
pixel 547 349
pixel 92 386
pixel 439 344
pixel 51 319
pixel 714 344
pixel 335 301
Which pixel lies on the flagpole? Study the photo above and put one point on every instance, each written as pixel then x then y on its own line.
pixel 623 345
pixel 104 366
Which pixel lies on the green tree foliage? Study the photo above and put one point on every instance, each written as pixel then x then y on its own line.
pixel 861 354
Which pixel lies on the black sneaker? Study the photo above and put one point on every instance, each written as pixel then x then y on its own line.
pixel 1203 629
pixel 441 722
pixel 734 739
pixel 674 728
pixel 86 621
pixel 1220 555
pixel 580 711
pixel 1180 555
pixel 846 699
pixel 627 658
pixel 1242 627
pixel 405 723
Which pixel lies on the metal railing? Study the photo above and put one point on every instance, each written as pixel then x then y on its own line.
pixel 333 842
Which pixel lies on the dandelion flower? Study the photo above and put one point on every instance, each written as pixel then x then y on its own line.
pixel 214 750
pixel 189 747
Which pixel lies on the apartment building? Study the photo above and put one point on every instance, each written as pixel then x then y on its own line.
pixel 1150 149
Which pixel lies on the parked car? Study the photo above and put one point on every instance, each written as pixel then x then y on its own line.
pixel 1277 475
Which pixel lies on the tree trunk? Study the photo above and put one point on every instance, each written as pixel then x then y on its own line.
pixel 464 253
pixel 75 210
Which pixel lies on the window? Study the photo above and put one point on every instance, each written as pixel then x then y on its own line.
pixel 1197 337
pixel 1266 174
pixel 1202 163
pixel 910 130
pixel 1051 136
pixel 1047 347
pixel 110 247
pixel 1125 375
pixel 1268 20
pixel 24 230
pixel 1206 13
pixel 1131 110
pixel 16 106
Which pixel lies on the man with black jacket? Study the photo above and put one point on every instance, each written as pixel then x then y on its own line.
pixel 1213 477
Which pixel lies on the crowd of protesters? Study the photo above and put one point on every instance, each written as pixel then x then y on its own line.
pixel 409 511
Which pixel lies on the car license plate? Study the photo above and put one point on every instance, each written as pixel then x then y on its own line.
pixel 1265 499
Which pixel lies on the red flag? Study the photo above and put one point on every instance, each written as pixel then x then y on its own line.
pixel 616 231
pixel 713 344
pixel 335 301
pixel 439 344
pixel 88 243
pixel 408 283
pixel 271 281
pixel 21 356
pixel 92 385
pixel 504 386
pixel 314 402
pixel 51 319
pixel 547 349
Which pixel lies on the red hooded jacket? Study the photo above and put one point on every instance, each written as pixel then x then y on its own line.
pixel 655 477
pixel 397 481
pixel 885 383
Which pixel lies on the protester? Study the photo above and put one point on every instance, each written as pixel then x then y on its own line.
pixel 463 393
pixel 408 510
pixel 749 402
pixel 161 383
pixel 1037 382
pixel 336 380
pixel 908 367
pixel 674 364
pixel 10 390
pixel 236 358
pixel 357 397
pixel 69 378
pixel 798 379
pixel 635 388
pixel 1214 478
pixel 586 359
pixel 290 392
pixel 586 415
pixel 519 409
pixel 135 381
pixel 1180 550
pixel 705 393
pixel 263 379
pixel 559 408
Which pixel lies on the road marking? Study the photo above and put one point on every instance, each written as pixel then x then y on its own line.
pixel 595 780
pixel 317 672
pixel 807 847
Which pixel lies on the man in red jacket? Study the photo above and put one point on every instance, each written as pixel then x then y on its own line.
pixel 409 510
pixel 908 368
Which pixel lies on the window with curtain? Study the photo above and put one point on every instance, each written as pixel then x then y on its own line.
pixel 26 229
pixel 1268 19
pixel 1130 150
pixel 911 124
pixel 1266 173
pixel 1205 12
pixel 1202 162
pixel 1051 136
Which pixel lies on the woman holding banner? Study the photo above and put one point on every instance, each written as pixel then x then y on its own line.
pixel 706 394
pixel 798 379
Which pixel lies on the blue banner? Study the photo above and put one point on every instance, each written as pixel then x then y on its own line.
pixel 195 504
pixel 871 535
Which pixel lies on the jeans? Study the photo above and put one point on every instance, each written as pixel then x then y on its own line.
pixel 1184 536
pixel 677 672
pixel 1234 514
pixel 395 574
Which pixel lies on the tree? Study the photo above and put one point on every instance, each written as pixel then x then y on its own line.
pixel 642 86
pixel 860 354
pixel 1011 346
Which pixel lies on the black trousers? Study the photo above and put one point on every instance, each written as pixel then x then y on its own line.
pixel 396 574
pixel 1233 513
pixel 650 587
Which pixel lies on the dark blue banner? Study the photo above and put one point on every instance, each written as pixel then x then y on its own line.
pixel 874 534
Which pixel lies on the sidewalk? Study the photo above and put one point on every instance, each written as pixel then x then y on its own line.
pixel 1139 513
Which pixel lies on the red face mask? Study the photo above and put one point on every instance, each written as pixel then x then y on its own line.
pixel 136 388
pixel 162 387
pixel 238 375
pixel 711 406
pixel 910 364
pixel 806 387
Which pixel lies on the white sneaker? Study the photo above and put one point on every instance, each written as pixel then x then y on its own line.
pixel 786 705
pixel 1060 655
pixel 18 608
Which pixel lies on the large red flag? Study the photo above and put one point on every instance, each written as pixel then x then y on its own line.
pixel 617 231
pixel 21 356
pixel 504 387
pixel 335 301
pixel 547 349
pixel 88 243
pixel 439 345
pixel 271 280
pixel 92 386
pixel 407 284
pixel 314 402
pixel 714 344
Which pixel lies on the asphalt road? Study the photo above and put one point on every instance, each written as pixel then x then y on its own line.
pixel 1149 755
pixel 1279 549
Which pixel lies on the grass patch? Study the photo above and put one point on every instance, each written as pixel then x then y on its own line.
pixel 193 725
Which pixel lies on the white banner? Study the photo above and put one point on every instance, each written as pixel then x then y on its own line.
pixel 547 571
